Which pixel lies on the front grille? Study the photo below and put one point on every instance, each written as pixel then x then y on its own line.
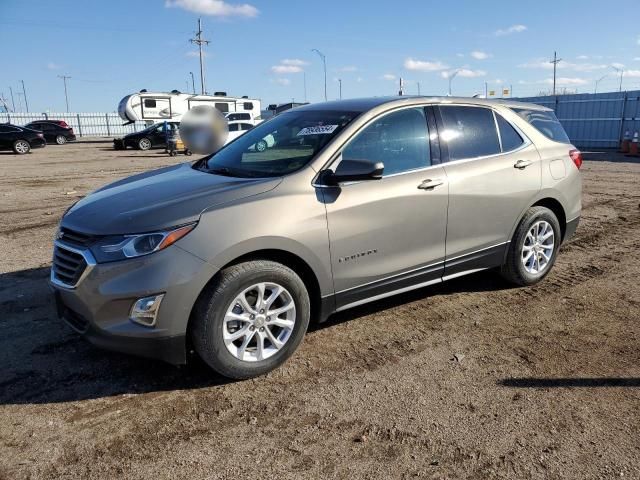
pixel 75 238
pixel 68 266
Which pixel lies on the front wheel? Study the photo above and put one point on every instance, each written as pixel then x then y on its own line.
pixel 61 139
pixel 21 147
pixel 533 248
pixel 251 319
pixel 144 144
pixel 261 146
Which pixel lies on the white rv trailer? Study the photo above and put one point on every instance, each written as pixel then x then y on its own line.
pixel 152 107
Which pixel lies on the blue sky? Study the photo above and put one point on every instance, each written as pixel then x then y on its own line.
pixel 261 48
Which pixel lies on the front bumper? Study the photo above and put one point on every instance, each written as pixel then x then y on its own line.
pixel 98 306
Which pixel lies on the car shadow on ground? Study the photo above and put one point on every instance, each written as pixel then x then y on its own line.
pixel 44 361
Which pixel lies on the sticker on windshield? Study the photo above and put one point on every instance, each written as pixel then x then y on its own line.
pixel 319 130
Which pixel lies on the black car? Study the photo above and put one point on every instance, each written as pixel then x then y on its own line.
pixel 154 136
pixel 20 139
pixel 55 131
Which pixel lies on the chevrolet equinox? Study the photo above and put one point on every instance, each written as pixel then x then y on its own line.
pixel 232 256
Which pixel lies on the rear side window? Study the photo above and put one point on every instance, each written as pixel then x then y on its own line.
pixel 223 107
pixel 234 127
pixel 400 140
pixel 509 138
pixel 469 132
pixel 149 103
pixel 545 122
pixel 248 106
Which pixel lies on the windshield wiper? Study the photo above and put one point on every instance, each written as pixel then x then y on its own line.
pixel 224 171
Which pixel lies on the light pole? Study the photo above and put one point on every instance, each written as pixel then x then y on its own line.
pixel 451 76
pixel 621 71
pixel 340 83
pixel 66 97
pixel 595 90
pixel 26 103
pixel 324 64
pixel 418 88
pixel 193 83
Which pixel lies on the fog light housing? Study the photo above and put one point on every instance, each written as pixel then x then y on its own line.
pixel 145 310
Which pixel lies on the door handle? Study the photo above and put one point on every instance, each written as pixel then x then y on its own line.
pixel 522 164
pixel 430 184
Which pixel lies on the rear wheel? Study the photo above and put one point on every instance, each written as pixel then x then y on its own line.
pixel 261 146
pixel 61 139
pixel 533 248
pixel 144 144
pixel 21 147
pixel 251 319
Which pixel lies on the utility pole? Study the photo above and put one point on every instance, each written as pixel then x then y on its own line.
pixel 26 103
pixel 418 88
pixel 200 41
pixel 555 62
pixel 401 91
pixel 486 90
pixel 66 97
pixel 193 83
pixel 12 100
pixel 340 82
pixel 304 80
pixel 324 64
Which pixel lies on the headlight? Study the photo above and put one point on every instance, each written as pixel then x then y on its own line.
pixel 119 247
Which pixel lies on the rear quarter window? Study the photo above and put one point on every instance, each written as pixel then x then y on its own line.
pixel 545 122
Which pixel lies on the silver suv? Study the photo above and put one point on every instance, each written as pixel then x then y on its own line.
pixel 232 256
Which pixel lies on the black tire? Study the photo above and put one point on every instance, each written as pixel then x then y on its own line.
pixel 61 139
pixel 172 153
pixel 261 146
pixel 513 269
pixel 210 310
pixel 21 147
pixel 144 144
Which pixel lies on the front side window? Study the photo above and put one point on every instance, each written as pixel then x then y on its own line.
pixel 509 137
pixel 469 132
pixel 149 103
pixel 400 140
pixel 279 146
pixel 234 127
pixel 223 107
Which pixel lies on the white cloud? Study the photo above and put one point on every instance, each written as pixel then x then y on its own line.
pixel 348 68
pixel 296 62
pixel 479 55
pixel 282 81
pixel 285 69
pixel 583 57
pixel 544 64
pixel 565 81
pixel 512 29
pixel 632 73
pixel 388 76
pixel 216 8
pixel 617 65
pixel 636 59
pixel 464 72
pixel 53 66
pixel 424 66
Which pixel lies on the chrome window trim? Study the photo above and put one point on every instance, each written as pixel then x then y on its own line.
pixel 88 258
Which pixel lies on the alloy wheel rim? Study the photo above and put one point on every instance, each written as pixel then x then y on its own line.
pixel 259 322
pixel 60 140
pixel 22 147
pixel 537 249
pixel 145 144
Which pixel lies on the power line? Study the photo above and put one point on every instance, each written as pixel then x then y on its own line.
pixel 200 41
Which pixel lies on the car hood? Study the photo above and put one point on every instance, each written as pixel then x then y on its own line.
pixel 158 199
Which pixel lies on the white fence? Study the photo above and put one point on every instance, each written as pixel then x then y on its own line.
pixel 83 124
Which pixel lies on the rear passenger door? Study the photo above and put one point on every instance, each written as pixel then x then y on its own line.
pixel 493 172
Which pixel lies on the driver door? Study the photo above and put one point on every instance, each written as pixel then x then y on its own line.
pixel 387 236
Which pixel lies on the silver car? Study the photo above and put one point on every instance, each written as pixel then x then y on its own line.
pixel 232 256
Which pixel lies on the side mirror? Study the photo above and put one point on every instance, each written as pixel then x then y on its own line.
pixel 355 171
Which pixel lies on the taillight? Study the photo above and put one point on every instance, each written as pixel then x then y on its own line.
pixel 576 156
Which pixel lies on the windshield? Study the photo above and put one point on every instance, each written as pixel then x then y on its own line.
pixel 279 146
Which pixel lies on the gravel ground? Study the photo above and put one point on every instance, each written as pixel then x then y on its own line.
pixel 470 379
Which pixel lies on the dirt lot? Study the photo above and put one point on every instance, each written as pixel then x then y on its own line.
pixel 471 379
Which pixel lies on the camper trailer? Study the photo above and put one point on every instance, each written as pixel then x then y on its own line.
pixel 152 107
